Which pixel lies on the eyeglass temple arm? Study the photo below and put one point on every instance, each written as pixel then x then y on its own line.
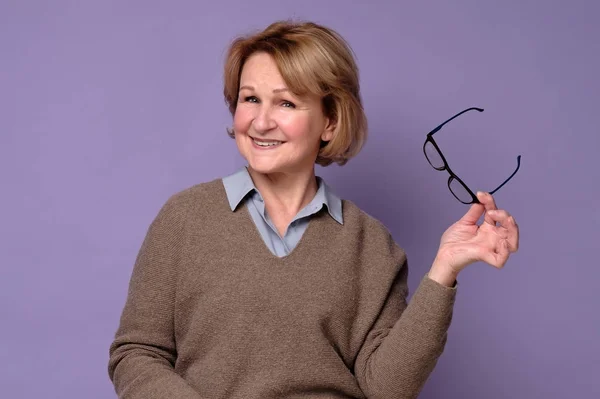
pixel 510 177
pixel 455 116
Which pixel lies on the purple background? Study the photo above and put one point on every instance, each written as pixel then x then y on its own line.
pixel 109 107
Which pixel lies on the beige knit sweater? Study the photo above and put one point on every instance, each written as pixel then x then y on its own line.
pixel 212 313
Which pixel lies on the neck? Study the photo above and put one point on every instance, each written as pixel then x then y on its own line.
pixel 287 193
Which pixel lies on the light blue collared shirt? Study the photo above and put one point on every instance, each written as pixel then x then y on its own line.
pixel 240 187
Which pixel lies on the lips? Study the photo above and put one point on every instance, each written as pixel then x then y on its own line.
pixel 263 143
pixel 263 140
pixel 266 143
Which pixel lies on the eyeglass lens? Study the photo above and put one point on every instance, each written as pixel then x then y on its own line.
pixel 459 191
pixel 433 156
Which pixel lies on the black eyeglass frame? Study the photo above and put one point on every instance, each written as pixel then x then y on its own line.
pixel 453 175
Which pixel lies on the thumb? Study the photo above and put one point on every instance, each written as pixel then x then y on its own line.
pixel 473 214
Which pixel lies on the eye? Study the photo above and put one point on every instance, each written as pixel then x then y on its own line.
pixel 288 104
pixel 250 99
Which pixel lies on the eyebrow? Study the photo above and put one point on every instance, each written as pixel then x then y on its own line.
pixel 284 89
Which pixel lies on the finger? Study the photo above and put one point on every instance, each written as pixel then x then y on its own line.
pixel 500 216
pixel 473 214
pixel 502 253
pixel 508 226
pixel 513 236
pixel 486 199
pixel 491 258
pixel 496 257
pixel 489 204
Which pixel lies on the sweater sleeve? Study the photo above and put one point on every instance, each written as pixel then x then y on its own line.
pixel 143 353
pixel 406 341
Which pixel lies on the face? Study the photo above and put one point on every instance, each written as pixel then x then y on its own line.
pixel 276 131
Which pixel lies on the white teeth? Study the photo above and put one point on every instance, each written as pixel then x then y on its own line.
pixel 267 143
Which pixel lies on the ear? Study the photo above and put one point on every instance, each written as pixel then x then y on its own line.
pixel 329 131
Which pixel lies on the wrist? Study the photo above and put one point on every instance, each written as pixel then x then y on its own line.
pixel 442 273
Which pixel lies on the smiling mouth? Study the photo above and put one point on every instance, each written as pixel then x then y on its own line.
pixel 266 143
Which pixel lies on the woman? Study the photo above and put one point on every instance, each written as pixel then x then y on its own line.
pixel 265 284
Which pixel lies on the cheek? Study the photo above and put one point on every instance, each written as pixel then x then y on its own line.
pixel 241 120
pixel 296 127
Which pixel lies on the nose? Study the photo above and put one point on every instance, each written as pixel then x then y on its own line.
pixel 263 121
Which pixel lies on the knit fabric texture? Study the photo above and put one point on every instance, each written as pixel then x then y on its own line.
pixel 212 313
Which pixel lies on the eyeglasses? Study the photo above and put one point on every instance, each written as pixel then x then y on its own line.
pixel 436 159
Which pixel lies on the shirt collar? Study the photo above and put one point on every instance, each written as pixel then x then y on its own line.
pixel 239 184
pixel 237 187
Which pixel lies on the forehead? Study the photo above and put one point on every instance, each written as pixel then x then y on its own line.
pixel 260 68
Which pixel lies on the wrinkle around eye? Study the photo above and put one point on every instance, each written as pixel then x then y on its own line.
pixel 248 99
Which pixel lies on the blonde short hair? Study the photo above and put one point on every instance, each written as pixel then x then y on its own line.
pixel 312 59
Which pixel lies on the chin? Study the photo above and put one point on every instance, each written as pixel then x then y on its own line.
pixel 275 163
pixel 265 168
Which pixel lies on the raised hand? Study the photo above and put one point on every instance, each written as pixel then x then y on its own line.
pixel 466 242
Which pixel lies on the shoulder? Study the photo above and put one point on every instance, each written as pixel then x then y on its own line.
pixel 361 219
pixel 201 193
pixel 369 230
pixel 195 200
